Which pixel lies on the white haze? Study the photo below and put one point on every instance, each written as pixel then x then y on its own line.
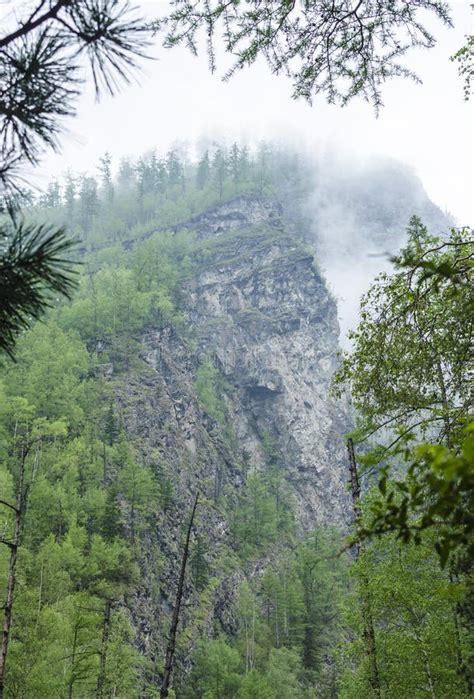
pixel 428 126
pixel 176 99
pixel 359 210
pixel 346 254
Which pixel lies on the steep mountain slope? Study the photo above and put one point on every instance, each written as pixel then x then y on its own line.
pixel 259 319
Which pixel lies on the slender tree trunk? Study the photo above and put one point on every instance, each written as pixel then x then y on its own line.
pixel 460 662
pixel 285 608
pixel 252 644
pixel 40 592
pixel 429 676
pixel 355 488
pixel 14 545
pixel 103 649
pixel 177 606
pixel 277 626
pixel 426 661
pixel 462 669
pixel 73 660
pixel 246 645
pixel 445 402
pixel 132 508
pixel 104 461
pixel 369 631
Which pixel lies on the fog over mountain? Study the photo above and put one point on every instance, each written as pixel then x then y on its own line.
pixel 359 211
pixel 428 127
pixel 176 99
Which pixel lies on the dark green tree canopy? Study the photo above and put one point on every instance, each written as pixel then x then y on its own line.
pixel 337 48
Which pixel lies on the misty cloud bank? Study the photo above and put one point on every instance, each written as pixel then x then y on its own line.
pixel 358 212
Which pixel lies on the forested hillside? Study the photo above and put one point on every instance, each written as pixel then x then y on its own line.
pixel 198 356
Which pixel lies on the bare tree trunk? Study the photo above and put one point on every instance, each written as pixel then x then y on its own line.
pixel 252 647
pixel 428 672
pixel 462 668
pixel 104 463
pixel 277 626
pixel 177 606
pixel 73 660
pixel 40 592
pixel 14 545
pixel 103 649
pixel 369 631
pixel 445 402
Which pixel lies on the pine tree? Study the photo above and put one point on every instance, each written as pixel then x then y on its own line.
pixel 45 48
pixel 203 171
pixel 111 426
pixel 51 199
pixel 88 202
pixel 219 170
pixel 105 170
pixel 234 164
pixel 70 193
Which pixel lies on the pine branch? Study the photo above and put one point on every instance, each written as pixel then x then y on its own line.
pixel 32 24
pixel 41 69
pixel 34 265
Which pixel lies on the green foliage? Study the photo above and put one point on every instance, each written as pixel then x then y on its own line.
pixel 408 368
pixel 108 305
pixel 272 654
pixel 35 265
pixel 215 674
pixel 283 672
pixel 165 493
pixel 413 608
pixel 199 566
pixel 464 57
pixel 50 372
pixel 255 524
pixel 436 492
pixel 409 374
pixel 255 686
pixel 152 203
pixel 85 500
pixel 266 509
pixel 329 48
pixel 137 485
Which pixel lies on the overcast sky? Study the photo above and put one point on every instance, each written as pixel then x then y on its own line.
pixel 428 126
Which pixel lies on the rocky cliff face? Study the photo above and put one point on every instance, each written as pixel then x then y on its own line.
pixel 261 311
pixel 257 310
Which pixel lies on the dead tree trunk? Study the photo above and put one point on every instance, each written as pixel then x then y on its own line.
pixel 13 544
pixel 103 649
pixel 369 631
pixel 177 605
pixel 70 683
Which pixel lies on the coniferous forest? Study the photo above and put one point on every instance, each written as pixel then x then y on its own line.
pixel 202 496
